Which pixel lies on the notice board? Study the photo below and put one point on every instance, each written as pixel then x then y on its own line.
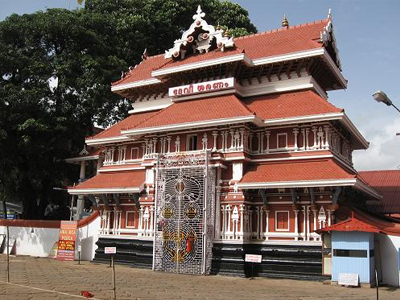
pixel 67 238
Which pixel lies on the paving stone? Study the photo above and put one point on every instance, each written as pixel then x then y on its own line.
pixel 42 278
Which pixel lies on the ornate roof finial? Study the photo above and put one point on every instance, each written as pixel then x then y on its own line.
pixel 285 22
pixel 199 13
pixel 227 33
pixel 329 14
pixel 145 55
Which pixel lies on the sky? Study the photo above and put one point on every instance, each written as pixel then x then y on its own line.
pixel 368 38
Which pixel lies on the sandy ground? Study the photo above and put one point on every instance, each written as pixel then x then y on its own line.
pixel 43 278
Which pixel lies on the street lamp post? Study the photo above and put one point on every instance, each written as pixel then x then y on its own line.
pixel 380 96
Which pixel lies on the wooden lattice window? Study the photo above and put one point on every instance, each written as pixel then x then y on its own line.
pixel 281 140
pixel 130 219
pixel 282 221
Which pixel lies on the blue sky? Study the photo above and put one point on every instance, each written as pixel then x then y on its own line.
pixel 368 37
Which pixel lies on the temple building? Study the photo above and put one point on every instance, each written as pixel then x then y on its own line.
pixel 231 148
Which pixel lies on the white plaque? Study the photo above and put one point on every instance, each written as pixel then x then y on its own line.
pixel 202 87
pixel 350 279
pixel 253 258
pixel 110 250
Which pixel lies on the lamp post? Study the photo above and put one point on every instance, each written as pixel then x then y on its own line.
pixel 380 96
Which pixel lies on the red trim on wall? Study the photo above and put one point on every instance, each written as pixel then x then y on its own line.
pixel 46 223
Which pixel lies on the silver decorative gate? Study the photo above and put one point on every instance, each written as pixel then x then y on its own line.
pixel 184 222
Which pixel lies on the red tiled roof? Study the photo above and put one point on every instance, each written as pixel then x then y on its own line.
pixel 113 180
pixel 130 122
pixel 282 41
pixel 219 107
pixel 366 221
pixel 270 43
pixel 352 224
pixel 321 169
pixel 293 104
pixel 143 70
pixel 387 183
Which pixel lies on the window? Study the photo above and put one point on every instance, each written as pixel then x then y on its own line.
pixel 130 219
pixel 191 142
pixel 281 139
pixel 349 253
pixel 282 221
pixel 135 153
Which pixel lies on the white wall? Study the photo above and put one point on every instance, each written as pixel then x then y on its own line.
pixel 389 258
pixel 87 236
pixel 38 242
pixel 32 241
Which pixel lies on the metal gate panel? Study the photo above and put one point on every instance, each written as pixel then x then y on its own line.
pixel 184 214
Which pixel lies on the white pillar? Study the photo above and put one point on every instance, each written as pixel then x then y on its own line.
pixel 314 130
pixel 82 173
pixel 267 134
pixel 79 206
pixel 266 224
pixel 242 220
pixel 315 222
pixel 296 224
pixel 296 133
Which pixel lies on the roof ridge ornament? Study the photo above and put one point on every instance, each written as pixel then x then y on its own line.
pixel 200 37
pixel 327 35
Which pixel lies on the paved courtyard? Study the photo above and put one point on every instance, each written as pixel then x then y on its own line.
pixel 42 278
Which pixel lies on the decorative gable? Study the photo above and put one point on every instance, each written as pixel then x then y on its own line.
pixel 200 37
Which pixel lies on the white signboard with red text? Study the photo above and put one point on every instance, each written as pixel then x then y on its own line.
pixel 203 87
pixel 253 258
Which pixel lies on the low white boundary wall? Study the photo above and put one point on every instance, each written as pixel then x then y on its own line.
pixel 38 241
pixel 32 241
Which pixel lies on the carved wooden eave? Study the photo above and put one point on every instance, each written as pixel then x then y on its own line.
pixel 329 41
pixel 200 36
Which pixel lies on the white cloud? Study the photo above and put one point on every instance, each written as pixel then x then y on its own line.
pixel 384 150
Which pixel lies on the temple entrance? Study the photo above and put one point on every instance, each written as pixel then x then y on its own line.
pixel 184 214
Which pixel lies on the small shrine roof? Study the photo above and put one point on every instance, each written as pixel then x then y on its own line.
pixel 352 224
pixel 205 112
pixel 111 182
pixel 364 221
pixel 386 182
pixel 88 153
pixel 291 104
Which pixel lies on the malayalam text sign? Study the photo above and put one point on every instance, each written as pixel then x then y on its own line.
pixel 67 238
pixel 253 258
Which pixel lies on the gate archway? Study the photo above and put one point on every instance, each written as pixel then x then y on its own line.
pixel 184 222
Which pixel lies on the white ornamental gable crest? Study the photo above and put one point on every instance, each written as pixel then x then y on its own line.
pixel 200 37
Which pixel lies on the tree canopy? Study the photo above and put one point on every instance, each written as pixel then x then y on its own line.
pixel 55 73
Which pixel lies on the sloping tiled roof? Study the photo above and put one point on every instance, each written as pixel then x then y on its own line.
pixel 219 107
pixel 387 183
pixel 266 44
pixel 130 122
pixel 365 221
pixel 143 70
pixel 291 104
pixel 352 224
pixel 307 170
pixel 282 41
pixel 113 180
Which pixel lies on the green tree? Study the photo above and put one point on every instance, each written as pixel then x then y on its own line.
pixel 42 123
